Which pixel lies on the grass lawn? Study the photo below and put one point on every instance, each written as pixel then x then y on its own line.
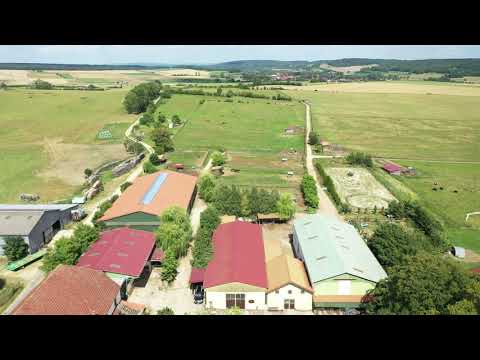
pixel 36 128
pixel 251 130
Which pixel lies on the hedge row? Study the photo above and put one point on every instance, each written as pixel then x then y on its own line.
pixel 328 183
pixel 203 248
pixel 309 191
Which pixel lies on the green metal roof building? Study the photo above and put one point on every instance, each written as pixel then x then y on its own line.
pixel 340 266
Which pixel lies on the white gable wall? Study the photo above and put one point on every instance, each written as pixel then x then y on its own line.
pixel 303 302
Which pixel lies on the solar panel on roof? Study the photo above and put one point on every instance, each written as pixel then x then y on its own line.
pixel 153 190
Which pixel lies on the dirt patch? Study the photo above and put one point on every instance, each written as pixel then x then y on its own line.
pixel 68 161
pixel 357 187
pixel 471 257
pixel 276 239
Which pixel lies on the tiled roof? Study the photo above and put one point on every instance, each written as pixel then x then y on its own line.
pixel 284 270
pixel 197 276
pixel 174 189
pixel 238 256
pixel 71 290
pixel 121 251
pixel 392 167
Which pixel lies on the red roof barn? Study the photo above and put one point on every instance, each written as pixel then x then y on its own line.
pixel 393 168
pixel 239 256
pixel 122 251
pixel 72 290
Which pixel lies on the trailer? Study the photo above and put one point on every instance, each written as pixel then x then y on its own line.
pixel 20 264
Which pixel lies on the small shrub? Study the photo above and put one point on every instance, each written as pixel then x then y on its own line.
pixel 149 168
pixel 125 185
pixel 165 311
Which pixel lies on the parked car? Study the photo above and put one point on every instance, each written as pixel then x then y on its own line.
pixel 198 295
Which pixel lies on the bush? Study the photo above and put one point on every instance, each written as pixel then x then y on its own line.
pixel 42 85
pixel 146 119
pixel 359 158
pixel 125 185
pixel 88 172
pixel 218 159
pixel 328 183
pixel 68 250
pixel 169 266
pixel 165 311
pixel 285 207
pixel 149 168
pixel 154 159
pixel 309 191
pixel 203 248
pixel 15 248
pixel 313 138
pixel 206 188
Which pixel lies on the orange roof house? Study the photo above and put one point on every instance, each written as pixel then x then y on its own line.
pixel 72 290
pixel 288 284
pixel 145 200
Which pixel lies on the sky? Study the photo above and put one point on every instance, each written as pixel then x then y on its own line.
pixel 207 54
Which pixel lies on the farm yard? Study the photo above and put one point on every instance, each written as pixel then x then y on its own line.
pixel 47 139
pixel 438 135
pixel 251 131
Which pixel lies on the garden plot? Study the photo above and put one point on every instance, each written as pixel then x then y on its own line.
pixel 358 188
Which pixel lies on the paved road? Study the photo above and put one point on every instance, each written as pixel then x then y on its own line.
pixel 325 206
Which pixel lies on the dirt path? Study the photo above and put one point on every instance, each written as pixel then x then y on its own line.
pixel 325 206
pixel 138 170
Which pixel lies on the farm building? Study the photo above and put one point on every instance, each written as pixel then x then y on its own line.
pixel 37 224
pixel 236 276
pixel 458 252
pixel 122 254
pixel 393 169
pixel 142 203
pixel 72 290
pixel 340 266
pixel 288 286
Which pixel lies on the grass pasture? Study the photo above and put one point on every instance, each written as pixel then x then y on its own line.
pixel 439 135
pixel 47 139
pixel 252 132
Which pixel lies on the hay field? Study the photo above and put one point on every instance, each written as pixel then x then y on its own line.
pixel 97 77
pixel 388 87
pixel 437 127
pixel 252 132
pixel 47 139
pixel 361 190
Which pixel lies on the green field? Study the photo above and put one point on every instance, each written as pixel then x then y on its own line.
pixel 428 132
pixel 251 130
pixel 400 125
pixel 36 126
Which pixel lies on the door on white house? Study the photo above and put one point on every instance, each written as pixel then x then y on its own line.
pixel 344 287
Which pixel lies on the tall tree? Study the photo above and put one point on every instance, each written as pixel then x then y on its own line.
pixel 15 248
pixel 285 207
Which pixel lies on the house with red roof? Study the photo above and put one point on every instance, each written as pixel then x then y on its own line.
pixel 72 290
pixel 122 253
pixel 236 276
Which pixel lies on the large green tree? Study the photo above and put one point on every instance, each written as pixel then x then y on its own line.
pixel 392 243
pixel 169 266
pixel 162 140
pixel 424 284
pixel 285 207
pixel 206 187
pixel 15 248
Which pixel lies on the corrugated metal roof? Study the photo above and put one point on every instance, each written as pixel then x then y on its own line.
pixel 18 222
pixel 238 256
pixel 123 251
pixel 332 248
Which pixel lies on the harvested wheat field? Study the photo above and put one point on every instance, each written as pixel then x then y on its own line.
pixel 392 87
pixel 358 188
